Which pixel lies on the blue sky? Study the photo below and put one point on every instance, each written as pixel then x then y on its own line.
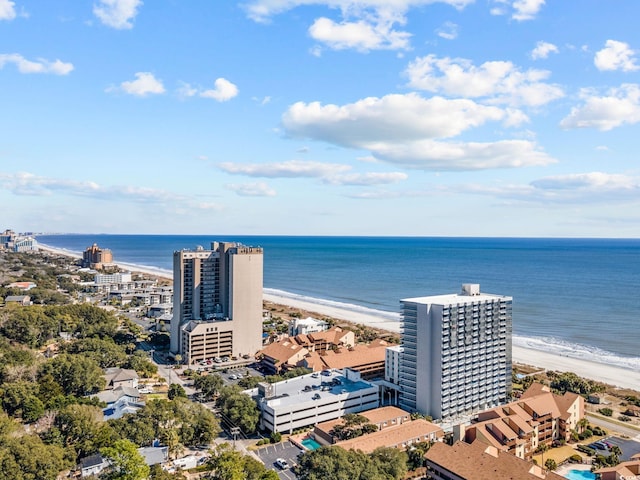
pixel 335 117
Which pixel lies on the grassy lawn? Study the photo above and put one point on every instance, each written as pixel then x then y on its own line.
pixel 559 454
pixel 157 396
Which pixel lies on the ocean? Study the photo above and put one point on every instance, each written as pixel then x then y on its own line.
pixel 573 297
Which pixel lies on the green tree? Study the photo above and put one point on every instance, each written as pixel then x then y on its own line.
pixel 76 374
pixel 550 464
pixel 26 457
pixel 176 390
pixel 81 427
pixel 391 462
pixel 126 462
pixel 157 473
pixel 209 385
pixel 103 350
pixel 239 408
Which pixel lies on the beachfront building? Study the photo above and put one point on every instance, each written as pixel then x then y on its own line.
pixel 96 257
pixel 310 399
pixel 304 326
pixel 477 461
pixel 217 306
pixel 456 357
pixel 25 244
pixel 537 418
pixel 625 470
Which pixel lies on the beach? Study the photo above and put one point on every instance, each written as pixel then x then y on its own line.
pixel 613 375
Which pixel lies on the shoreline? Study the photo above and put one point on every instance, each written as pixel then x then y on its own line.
pixel 601 372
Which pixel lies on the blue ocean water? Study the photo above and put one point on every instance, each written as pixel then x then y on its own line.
pixel 576 297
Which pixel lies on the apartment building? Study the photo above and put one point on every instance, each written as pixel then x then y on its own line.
pixel 537 417
pixel 478 461
pixel 217 302
pixel 96 257
pixel 456 357
pixel 304 326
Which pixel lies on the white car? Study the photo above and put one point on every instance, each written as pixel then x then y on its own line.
pixel 282 464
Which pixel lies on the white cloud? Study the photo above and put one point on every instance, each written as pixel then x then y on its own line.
pixel 366 179
pixel 395 116
pixel 257 189
pixel 602 148
pixel 448 31
pixel 144 84
pixel 616 56
pixel 520 9
pixel 498 81
pixel 526 9
pixel 543 49
pixel 117 13
pixel 620 106
pixel 262 10
pixel 23 65
pixel 576 188
pixel 25 183
pixel 7 10
pixel 365 25
pixel 402 129
pixel 288 169
pixel 223 91
pixel 360 35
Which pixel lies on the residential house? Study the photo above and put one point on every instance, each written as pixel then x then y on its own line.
pixel 22 300
pixel 120 377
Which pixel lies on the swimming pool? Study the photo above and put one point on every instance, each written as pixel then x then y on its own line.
pixel 310 444
pixel 580 475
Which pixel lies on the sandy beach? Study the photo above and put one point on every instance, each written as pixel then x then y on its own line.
pixel 621 377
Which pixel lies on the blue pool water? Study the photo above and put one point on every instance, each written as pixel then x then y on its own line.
pixel 310 444
pixel 580 475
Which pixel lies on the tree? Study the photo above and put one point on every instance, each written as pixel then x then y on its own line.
pixel 157 473
pixel 176 390
pixel 550 464
pixel 238 408
pixel 542 448
pixel 26 457
pixel 209 385
pixel 81 428
pixel 390 461
pixel 416 455
pixel 126 462
pixel 582 424
pixel 104 351
pixel 76 374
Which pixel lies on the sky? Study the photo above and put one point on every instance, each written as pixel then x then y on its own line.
pixel 321 117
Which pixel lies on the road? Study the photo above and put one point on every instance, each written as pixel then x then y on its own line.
pixel 610 426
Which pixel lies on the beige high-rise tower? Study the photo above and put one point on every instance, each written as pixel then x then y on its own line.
pixel 217 309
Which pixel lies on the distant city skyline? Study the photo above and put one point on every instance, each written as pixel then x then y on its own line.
pixel 311 117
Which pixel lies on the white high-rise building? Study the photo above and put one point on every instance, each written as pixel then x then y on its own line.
pixel 456 356
pixel 217 302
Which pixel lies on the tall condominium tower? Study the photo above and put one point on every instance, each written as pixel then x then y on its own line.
pixel 457 352
pixel 217 309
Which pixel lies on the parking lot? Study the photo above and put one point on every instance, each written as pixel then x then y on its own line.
pixel 627 446
pixel 270 453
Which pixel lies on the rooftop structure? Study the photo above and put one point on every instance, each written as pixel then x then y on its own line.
pixel 456 356
pixel 395 429
pixel 519 427
pixel 310 399
pixel 478 461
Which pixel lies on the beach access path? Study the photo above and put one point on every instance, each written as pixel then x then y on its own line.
pixel 601 372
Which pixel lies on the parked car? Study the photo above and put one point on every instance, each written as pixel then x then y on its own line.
pixel 282 464
pixel 316 397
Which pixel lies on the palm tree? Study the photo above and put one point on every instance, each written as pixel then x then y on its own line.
pixel 583 423
pixel 543 447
